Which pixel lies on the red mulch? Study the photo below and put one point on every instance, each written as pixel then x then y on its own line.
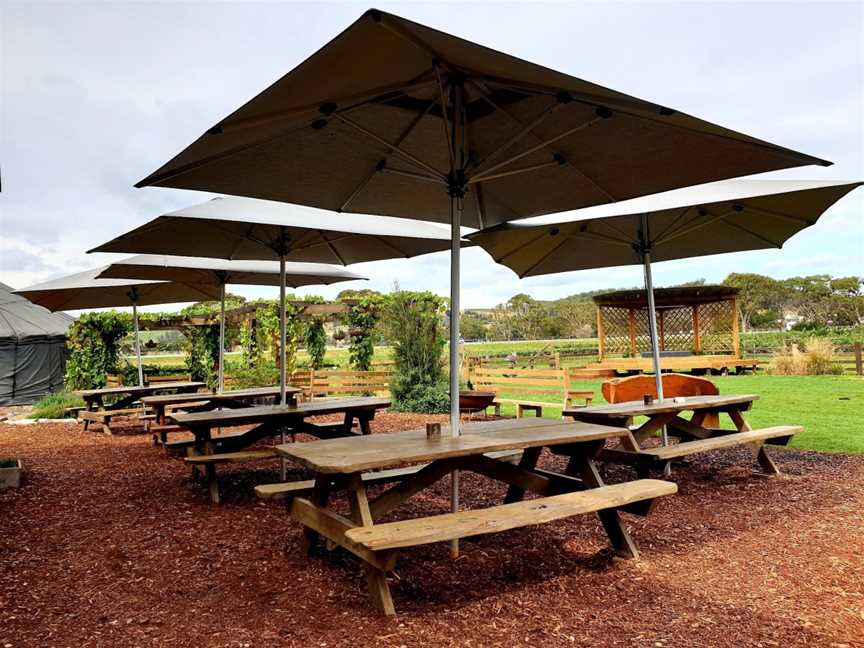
pixel 111 544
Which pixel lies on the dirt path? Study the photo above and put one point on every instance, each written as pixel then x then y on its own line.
pixel 111 544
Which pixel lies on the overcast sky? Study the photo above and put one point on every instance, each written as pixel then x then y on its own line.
pixel 97 95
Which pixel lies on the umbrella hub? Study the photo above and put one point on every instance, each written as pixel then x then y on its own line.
pixel 457 183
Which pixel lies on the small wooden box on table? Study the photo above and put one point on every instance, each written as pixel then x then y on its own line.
pixel 96 411
pixel 340 464
pixel 208 450
pixel 694 436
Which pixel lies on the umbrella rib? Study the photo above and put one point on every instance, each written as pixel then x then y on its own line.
pixel 375 169
pixel 689 227
pixel 408 174
pixel 396 149
pixel 533 266
pixel 506 256
pixel 511 172
pixel 478 204
pixel 526 128
pixel 755 235
pixel 788 217
pixel 481 173
pixel 445 120
pixel 332 248
pixel 387 244
pixel 674 222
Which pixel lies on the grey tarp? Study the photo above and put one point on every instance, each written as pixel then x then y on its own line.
pixel 32 349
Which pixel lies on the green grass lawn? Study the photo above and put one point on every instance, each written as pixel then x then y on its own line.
pixel 830 424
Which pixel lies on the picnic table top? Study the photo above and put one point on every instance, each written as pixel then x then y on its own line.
pixel 355 454
pixel 171 399
pixel 262 413
pixel 137 389
pixel 639 408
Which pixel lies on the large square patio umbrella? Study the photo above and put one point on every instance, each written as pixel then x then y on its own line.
pixel 395 118
pixel 730 216
pixel 248 229
pixel 86 290
pixel 219 272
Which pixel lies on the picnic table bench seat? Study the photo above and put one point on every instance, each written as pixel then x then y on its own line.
pixel 778 435
pixel 503 517
pixel 106 417
pixel 209 462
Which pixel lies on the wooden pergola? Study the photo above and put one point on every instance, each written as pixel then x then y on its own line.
pixel 692 320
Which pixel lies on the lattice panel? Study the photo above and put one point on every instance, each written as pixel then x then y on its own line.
pixel 677 334
pixel 616 331
pixel 715 327
pixel 677 329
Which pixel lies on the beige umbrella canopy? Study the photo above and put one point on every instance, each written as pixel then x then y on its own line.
pixel 246 228
pixel 358 127
pixel 218 272
pixel 87 290
pixel 730 216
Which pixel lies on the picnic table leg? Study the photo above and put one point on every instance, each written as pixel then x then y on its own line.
pixel 376 579
pixel 528 462
pixel 320 496
pixel 765 462
pixel 623 545
pixel 212 483
pixel 364 419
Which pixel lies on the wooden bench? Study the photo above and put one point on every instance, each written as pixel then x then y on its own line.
pixel 106 417
pixel 635 388
pixel 778 435
pixel 325 383
pixel 451 526
pixel 211 461
pixel 533 382
pixel 151 381
pixel 73 412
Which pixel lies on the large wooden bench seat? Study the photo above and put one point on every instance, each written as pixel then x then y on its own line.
pixel 105 417
pixel 450 526
pixel 779 435
pixel 553 383
pixel 212 460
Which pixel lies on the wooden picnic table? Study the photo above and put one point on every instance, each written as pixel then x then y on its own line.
pixel 208 401
pixel 270 420
pixel 694 436
pixel 96 411
pixel 94 399
pixel 339 464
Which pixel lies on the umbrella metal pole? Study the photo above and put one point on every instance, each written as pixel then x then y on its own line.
pixel 455 234
pixel 137 344
pixel 221 384
pixel 652 326
pixel 282 354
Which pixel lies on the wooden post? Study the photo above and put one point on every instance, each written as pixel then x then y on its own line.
pixel 697 337
pixel 736 348
pixel 631 323
pixel 600 333
pixel 661 329
pixel 859 366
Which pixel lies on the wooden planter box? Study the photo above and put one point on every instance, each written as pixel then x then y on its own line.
pixel 11 477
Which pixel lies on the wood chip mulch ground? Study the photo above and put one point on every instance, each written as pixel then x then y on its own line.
pixel 110 543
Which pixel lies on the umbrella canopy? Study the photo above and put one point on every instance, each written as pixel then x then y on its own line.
pixel 730 216
pixel 358 127
pixel 725 217
pixel 197 270
pixel 87 290
pixel 245 228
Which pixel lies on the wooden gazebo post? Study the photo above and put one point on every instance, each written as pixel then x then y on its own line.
pixel 601 334
pixel 736 342
pixel 631 325
pixel 697 337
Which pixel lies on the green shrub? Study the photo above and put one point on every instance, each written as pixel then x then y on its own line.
pixel 261 375
pixel 94 344
pixel 422 397
pixel 53 406
pixel 316 343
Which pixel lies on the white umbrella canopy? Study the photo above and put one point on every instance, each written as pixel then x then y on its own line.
pixel 87 290
pixel 395 118
pixel 730 216
pixel 246 228
pixel 219 272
